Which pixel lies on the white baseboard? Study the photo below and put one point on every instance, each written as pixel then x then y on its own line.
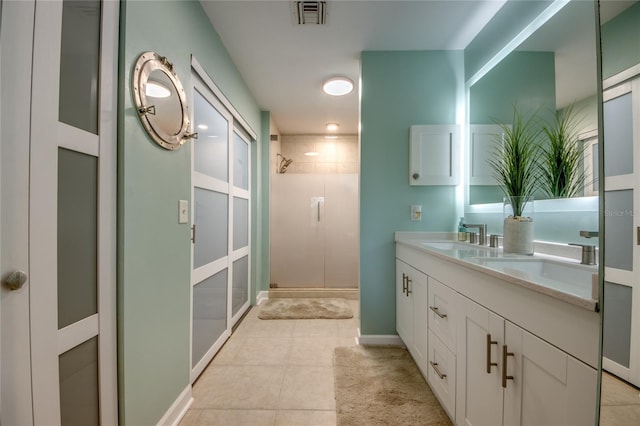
pixel 178 409
pixel 261 297
pixel 379 339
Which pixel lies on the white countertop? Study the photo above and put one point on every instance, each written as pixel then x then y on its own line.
pixel 514 268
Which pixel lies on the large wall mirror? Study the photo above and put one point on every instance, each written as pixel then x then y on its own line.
pixel 541 58
pixel 553 69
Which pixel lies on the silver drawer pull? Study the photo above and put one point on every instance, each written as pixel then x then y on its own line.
pixel 437 312
pixel 434 365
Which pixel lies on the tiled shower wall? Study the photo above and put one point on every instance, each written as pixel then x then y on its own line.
pixel 338 155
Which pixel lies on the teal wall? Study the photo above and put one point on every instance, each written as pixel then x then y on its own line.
pixel 525 79
pixel 620 39
pixel 399 89
pixel 153 249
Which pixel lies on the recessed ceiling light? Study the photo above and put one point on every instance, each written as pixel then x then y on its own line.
pixel 331 137
pixel 337 86
pixel 312 154
pixel 203 126
pixel 332 127
pixel 156 90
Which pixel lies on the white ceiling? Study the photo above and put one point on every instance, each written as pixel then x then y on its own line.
pixel 284 64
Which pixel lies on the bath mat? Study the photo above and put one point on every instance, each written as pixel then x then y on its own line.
pixel 378 385
pixel 301 308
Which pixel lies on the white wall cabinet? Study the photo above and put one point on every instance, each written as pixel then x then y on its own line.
pixel 434 155
pixel 411 312
pixel 486 355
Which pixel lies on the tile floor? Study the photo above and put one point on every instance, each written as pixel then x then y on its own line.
pixel 620 403
pixel 273 372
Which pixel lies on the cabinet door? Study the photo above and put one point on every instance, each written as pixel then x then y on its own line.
pixel 434 155
pixel 404 304
pixel 479 390
pixel 548 385
pixel 418 289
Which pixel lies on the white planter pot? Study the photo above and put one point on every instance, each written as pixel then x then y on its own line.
pixel 518 235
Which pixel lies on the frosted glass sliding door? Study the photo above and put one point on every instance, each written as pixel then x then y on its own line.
pixel 221 226
pixel 621 320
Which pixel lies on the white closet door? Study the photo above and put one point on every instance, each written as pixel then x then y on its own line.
pixel 297 230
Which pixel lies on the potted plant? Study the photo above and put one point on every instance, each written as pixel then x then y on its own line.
pixel 515 168
pixel 562 174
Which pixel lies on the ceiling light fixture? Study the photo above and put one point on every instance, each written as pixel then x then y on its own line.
pixel 338 86
pixel 312 154
pixel 203 126
pixel 332 127
pixel 331 137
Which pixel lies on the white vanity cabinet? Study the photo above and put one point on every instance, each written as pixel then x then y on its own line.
pixel 480 329
pixel 498 361
pixel 411 311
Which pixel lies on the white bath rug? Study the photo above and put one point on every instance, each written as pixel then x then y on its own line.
pixel 303 308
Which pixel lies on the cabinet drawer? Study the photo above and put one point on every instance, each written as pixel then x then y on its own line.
pixel 443 313
pixel 442 374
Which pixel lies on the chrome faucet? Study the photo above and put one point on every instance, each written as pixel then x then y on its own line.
pixel 588 251
pixel 483 232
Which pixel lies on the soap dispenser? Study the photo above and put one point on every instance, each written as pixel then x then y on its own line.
pixel 462 231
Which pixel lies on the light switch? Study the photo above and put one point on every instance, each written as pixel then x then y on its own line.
pixel 183 211
pixel 416 213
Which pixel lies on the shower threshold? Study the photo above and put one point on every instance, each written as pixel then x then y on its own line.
pixel 342 293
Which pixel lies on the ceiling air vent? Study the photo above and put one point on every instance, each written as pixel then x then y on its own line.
pixel 310 12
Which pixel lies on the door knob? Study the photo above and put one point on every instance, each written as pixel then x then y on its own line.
pixel 15 280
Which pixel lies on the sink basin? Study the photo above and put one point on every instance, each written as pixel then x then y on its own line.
pixel 572 278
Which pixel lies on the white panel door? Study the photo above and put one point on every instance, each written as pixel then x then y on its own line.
pixel 69 170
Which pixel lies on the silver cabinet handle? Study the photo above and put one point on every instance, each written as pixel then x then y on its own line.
pixel 434 365
pixel 437 312
pixel 15 280
pixel 505 354
pixel 408 289
pixel 404 283
pixel 489 363
pixel 318 210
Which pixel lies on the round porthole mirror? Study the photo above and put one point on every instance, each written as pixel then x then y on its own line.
pixel 160 101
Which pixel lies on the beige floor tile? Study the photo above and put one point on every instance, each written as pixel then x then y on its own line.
pixel 265 328
pixel 316 328
pixel 305 418
pixel 228 352
pixel 308 388
pixel 313 351
pixel 191 418
pixel 237 418
pixel 348 328
pixel 620 415
pixel 238 387
pixel 617 392
pixel 264 351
